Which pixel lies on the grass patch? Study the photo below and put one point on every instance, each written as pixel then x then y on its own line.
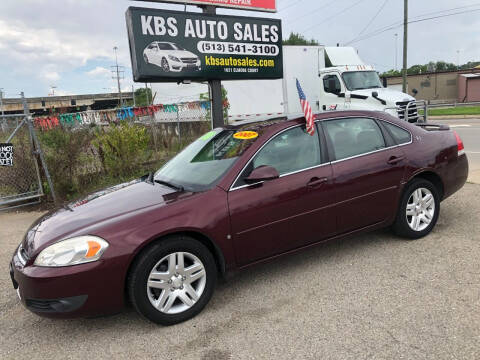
pixel 461 110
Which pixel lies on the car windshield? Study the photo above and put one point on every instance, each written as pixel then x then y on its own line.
pixel 203 163
pixel 165 46
pixel 358 80
pixel 178 47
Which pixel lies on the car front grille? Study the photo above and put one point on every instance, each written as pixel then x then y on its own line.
pixel 189 60
pixel 412 110
pixel 43 305
pixel 56 305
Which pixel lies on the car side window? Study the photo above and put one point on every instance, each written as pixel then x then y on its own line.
pixel 331 84
pixel 290 151
pixel 401 136
pixel 354 136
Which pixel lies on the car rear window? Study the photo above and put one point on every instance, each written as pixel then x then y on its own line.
pixel 401 136
pixel 354 136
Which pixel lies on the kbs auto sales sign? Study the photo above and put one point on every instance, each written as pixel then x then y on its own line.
pixel 174 46
pixel 255 5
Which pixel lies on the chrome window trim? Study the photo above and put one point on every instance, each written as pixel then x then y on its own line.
pixel 281 176
pixel 256 152
pixel 375 151
pixel 411 136
pixel 328 163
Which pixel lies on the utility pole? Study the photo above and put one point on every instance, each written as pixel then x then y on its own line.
pixel 405 44
pixel 133 94
pixel 215 87
pixel 396 51
pixel 1 101
pixel 53 87
pixel 146 94
pixel 117 74
pixel 458 59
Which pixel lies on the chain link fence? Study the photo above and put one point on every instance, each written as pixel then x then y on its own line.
pixel 90 150
pixel 20 177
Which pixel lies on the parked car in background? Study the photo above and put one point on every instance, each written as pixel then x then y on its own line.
pixel 171 57
pixel 237 196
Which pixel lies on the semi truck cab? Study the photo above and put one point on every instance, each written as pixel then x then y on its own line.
pixel 347 83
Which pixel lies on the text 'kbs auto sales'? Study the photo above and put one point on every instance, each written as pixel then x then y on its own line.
pixel 173 46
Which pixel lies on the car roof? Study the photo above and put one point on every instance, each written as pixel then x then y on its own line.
pixel 279 123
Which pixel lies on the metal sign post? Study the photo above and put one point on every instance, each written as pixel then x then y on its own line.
pixel 215 87
pixel 37 149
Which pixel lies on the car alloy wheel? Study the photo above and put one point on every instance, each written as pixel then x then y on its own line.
pixel 420 209
pixel 176 282
pixel 172 279
pixel 165 65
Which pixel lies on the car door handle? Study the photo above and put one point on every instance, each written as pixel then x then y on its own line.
pixel 395 160
pixel 314 182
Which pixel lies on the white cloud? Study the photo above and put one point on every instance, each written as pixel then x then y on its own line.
pixel 99 71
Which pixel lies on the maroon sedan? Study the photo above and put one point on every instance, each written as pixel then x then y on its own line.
pixel 237 196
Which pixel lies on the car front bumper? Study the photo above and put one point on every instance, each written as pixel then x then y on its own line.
pixel 72 291
pixel 181 66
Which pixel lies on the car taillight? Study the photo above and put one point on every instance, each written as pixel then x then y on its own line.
pixel 460 147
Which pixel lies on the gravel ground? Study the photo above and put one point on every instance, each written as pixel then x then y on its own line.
pixel 370 296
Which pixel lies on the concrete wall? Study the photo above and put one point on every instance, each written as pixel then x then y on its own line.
pixel 433 87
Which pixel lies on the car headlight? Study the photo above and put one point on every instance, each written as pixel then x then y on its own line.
pixel 173 58
pixel 74 251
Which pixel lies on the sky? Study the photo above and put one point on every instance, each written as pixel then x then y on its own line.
pixel 68 44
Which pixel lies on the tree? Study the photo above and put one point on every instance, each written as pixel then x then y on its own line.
pixel 432 66
pixel 143 97
pixel 297 39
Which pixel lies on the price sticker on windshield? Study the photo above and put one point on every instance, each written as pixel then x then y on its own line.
pixel 245 135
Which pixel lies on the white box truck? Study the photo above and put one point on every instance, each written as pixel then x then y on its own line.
pixel 333 78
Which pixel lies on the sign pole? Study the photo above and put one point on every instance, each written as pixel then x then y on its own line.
pixel 215 87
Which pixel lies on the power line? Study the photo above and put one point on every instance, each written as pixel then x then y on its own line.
pixel 289 6
pixel 374 17
pixel 396 25
pixel 322 7
pixel 446 10
pixel 333 16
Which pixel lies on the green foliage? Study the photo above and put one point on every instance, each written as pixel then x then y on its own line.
pixel 122 148
pixel 298 39
pixel 65 154
pixel 432 66
pixel 143 97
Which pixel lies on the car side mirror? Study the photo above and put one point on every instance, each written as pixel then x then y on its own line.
pixel 262 173
pixel 375 94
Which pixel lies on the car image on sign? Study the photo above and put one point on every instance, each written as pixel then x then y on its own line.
pixel 171 57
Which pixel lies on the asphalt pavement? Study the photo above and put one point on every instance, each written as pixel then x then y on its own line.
pixel 371 296
pixel 469 132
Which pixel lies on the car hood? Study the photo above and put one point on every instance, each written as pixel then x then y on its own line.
pixel 389 95
pixel 181 53
pixel 82 216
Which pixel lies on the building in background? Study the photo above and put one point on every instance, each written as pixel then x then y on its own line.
pixel 66 104
pixel 441 87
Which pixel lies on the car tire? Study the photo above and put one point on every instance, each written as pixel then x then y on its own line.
pixel 165 65
pixel 418 210
pixel 151 269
